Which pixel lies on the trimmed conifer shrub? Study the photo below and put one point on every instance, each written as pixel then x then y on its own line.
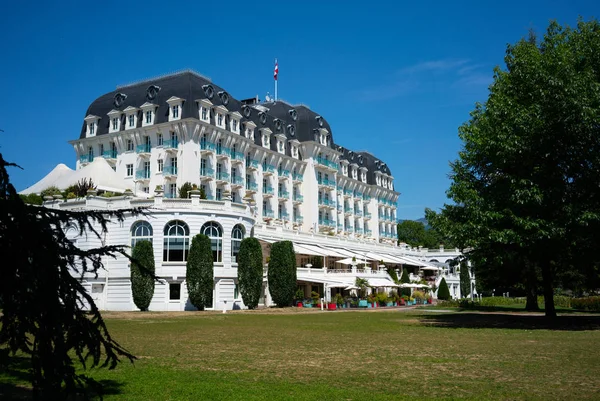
pixel 465 280
pixel 405 279
pixel 250 271
pixel 282 273
pixel 199 273
pixel 443 291
pixel 142 283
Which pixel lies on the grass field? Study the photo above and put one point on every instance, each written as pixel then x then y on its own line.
pixel 378 355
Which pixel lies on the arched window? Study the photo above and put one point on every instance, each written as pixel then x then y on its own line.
pixel 214 231
pixel 237 235
pixel 177 242
pixel 140 231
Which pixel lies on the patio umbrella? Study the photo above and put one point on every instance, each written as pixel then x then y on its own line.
pixel 349 261
pixel 352 287
pixel 408 285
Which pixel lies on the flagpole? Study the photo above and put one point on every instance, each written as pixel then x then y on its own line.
pixel 276 79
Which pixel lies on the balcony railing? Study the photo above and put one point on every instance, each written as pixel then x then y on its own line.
pixel 297 177
pixel 268 214
pixel 207 172
pixel 347 192
pixel 326 222
pixel 366 198
pixel 327 163
pixel 284 194
pixel 268 190
pixel 237 180
pixel 86 158
pixel 170 144
pixel 269 168
pixel 298 198
pixel 145 148
pixel 169 170
pixel 327 202
pixel 207 146
pixel 327 182
pixel 252 164
pixel 284 173
pixel 358 195
pixel 367 215
pixel 299 219
pixel 358 213
pixel 142 174
pixel 109 154
pixel 237 156
pixel 284 216
pixel 369 233
pixel 359 230
pixel 222 176
pixel 223 151
pixel 251 186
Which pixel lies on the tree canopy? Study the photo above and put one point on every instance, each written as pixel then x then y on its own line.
pixel 199 272
pixel 525 184
pixel 250 271
pixel 415 233
pixel 42 294
pixel 282 273
pixel 142 272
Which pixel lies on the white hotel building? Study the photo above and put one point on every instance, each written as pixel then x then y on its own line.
pixel 268 167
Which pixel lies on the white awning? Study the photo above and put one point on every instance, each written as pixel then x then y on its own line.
pixel 386 258
pixel 353 254
pixel 305 250
pixel 381 282
pixel 332 253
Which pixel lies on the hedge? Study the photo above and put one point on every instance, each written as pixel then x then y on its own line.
pixel 250 271
pixel 282 273
pixel 199 273
pixel 142 269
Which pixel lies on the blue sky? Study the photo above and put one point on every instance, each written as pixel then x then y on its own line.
pixel 393 78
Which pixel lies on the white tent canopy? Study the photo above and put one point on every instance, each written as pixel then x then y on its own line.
pixel 55 176
pixel 381 282
pixel 99 171
pixel 349 261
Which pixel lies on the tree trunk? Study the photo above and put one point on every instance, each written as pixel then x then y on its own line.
pixel 550 310
pixel 531 288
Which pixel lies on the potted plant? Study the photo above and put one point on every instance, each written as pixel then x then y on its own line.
pixel 315 299
pixel 339 300
pixel 371 301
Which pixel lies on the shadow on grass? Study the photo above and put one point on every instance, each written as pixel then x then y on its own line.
pixel 511 321
pixel 15 382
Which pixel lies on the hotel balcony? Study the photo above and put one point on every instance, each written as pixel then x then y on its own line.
pixel 298 198
pixel 269 169
pixel 368 233
pixel 347 193
pixel 237 182
pixel 298 219
pixel 170 145
pixel 222 177
pixel 326 223
pixel 268 215
pixel 348 210
pixel 297 177
pixel 85 159
pixel 206 173
pixel 358 213
pixel 283 195
pixel 142 175
pixel 358 196
pixel 326 183
pixel 251 187
pixel 284 174
pixel 340 227
pixel 169 171
pixel 251 165
pixel 327 163
pixel 284 216
pixel 367 215
pixel 143 150
pixel 223 153
pixel 207 147
pixel 359 231
pixel 366 198
pixel 339 208
pixel 109 155
pixel 326 203
pixel 268 192
pixel 237 157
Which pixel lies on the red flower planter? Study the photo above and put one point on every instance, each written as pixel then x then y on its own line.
pixel 331 306
pixel 299 305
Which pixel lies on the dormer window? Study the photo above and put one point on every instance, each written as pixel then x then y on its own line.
pixel 280 146
pixel 176 111
pixel 129 145
pixel 131 121
pixel 234 125
pixel 115 124
pixel 220 120
pixel 92 128
pixel 149 117
pixel 204 113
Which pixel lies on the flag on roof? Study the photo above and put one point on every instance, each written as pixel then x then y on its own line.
pixel 276 70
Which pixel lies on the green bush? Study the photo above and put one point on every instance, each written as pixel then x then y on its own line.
pixel 184 189
pixel 381 298
pixel 50 191
pixel 142 272
pixel 250 271
pixel 32 199
pixel 587 303
pixel 502 301
pixel 282 273
pixel 199 273
pixel 299 296
pixel 560 301
pixel 443 291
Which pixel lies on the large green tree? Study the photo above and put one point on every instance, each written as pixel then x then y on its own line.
pixel 42 295
pixel 142 272
pixel 250 271
pixel 528 175
pixel 415 233
pixel 199 272
pixel 465 280
pixel 282 273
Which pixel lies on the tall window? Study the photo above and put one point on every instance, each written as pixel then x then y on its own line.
pixel 219 146
pixel 161 164
pixel 218 195
pixel 176 111
pixel 115 122
pixel 204 114
pixel 92 128
pixel 234 125
pixel 101 149
pixel 129 145
pixel 213 231
pixel 174 141
pixel 203 142
pixel 159 139
pixel 91 153
pixel 173 190
pixel 237 235
pixel 149 117
pixel 177 242
pixel 131 120
pixel 140 231
pixel 219 119
pixel 129 168
pixel 264 164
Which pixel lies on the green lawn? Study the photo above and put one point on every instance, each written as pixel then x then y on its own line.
pixel 378 355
